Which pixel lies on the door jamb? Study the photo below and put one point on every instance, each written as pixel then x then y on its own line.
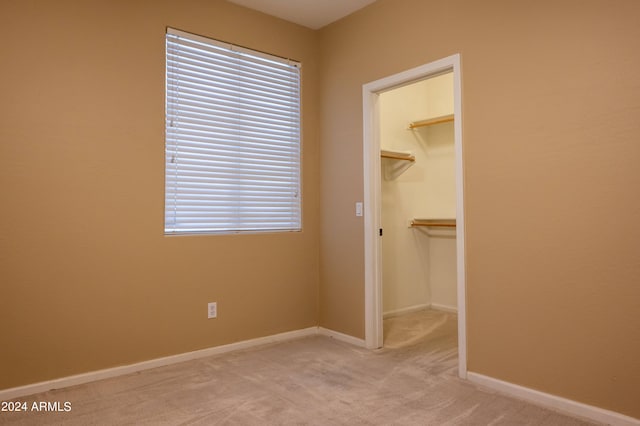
pixel 372 198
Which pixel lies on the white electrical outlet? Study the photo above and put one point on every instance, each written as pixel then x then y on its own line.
pixel 212 311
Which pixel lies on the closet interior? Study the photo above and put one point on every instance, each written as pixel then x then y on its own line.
pixel 418 191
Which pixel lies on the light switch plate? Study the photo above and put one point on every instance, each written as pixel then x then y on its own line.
pixel 212 310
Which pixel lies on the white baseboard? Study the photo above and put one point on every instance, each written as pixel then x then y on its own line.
pixel 446 308
pixel 342 337
pixel 554 402
pixel 407 310
pixel 78 379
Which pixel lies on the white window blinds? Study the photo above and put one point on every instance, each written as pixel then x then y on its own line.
pixel 232 138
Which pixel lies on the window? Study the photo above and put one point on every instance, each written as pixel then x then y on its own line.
pixel 232 138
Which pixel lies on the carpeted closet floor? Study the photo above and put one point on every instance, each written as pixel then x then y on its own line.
pixel 314 380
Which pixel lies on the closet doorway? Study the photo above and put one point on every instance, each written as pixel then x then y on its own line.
pixel 414 221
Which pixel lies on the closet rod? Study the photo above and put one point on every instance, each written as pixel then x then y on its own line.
pixel 398 157
pixel 431 121
pixel 440 223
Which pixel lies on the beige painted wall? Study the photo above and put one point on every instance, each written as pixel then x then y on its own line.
pixel 551 105
pixel 443 269
pixel 551 118
pixel 411 278
pixel 87 278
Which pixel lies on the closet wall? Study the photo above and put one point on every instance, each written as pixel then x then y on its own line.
pixel 419 264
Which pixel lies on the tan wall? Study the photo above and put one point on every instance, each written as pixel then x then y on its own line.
pixel 551 106
pixel 551 118
pixel 88 280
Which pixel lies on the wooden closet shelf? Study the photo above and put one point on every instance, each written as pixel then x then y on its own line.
pixel 431 121
pixel 435 223
pixel 394 155
pixel 396 162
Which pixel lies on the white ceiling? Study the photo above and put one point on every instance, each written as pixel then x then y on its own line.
pixel 309 13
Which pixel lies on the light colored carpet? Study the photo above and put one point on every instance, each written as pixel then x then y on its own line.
pixel 437 329
pixel 315 380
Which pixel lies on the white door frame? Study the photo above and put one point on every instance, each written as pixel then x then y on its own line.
pixel 372 198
